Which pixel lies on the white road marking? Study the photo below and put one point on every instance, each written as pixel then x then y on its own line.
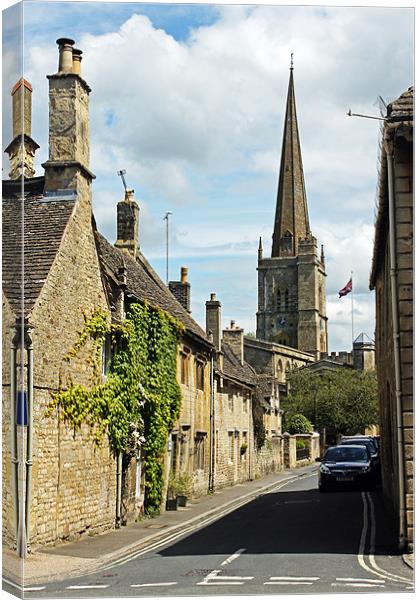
pixel 288 582
pixel 234 556
pixel 214 578
pixel 359 580
pixel 358 585
pixel 24 589
pixel 363 545
pixel 372 546
pixel 220 582
pixel 281 577
pixel 98 586
pixel 165 583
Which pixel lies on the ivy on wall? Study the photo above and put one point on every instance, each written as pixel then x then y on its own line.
pixel 140 397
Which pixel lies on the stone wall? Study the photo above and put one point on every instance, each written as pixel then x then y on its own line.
pixel 191 432
pixel 8 319
pixel 233 424
pixel 270 458
pixel 73 480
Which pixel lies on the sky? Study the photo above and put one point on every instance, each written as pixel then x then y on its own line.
pixel 190 99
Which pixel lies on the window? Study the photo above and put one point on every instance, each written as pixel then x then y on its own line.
pixel 184 368
pixel 278 299
pixel 231 440
pixel 245 405
pixel 230 402
pixel 107 355
pixel 199 374
pixel 199 451
pixel 286 300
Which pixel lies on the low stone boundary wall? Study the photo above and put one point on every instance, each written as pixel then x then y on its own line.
pixel 269 459
pixel 290 452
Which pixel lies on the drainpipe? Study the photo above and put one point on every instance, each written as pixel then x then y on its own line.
pixel 396 341
pixel 119 488
pixel 29 433
pixel 13 430
pixel 212 424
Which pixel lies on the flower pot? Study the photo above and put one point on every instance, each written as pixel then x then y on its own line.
pixel 182 500
pixel 172 504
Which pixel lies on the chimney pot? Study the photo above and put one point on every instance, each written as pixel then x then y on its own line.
pixel 212 296
pixel 77 59
pixel 232 324
pixel 184 274
pixel 65 55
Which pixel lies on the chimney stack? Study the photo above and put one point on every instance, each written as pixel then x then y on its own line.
pixel 22 149
pixel 234 337
pixel 128 224
pixel 214 320
pixel 68 123
pixel 182 289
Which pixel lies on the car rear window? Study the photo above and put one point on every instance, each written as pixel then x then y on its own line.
pixel 368 443
pixel 344 454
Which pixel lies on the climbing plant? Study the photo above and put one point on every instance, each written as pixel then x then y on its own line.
pixel 140 397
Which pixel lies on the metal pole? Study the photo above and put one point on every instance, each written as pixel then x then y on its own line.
pixel 119 489
pixel 352 310
pixel 29 434
pixel 166 218
pixel 13 431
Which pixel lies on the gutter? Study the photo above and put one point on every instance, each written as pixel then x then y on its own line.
pixel 396 344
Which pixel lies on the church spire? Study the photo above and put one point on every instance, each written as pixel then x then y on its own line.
pixel 292 221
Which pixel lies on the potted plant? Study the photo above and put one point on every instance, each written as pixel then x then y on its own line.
pixel 172 494
pixel 183 488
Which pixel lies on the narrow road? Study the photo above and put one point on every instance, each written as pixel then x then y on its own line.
pixel 292 540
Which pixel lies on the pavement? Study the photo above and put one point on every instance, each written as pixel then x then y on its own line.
pixel 90 553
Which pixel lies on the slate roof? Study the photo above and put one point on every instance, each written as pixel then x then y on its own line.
pixel 402 109
pixel 143 283
pixel 233 369
pixel 40 221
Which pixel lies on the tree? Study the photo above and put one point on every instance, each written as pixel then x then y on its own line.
pixel 299 424
pixel 343 400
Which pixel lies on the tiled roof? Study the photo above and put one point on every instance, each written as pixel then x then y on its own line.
pixel 232 367
pixel 144 283
pixel 402 109
pixel 40 221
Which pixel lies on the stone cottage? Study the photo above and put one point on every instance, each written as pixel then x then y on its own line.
pixel 51 277
pixel 56 270
pixel 392 279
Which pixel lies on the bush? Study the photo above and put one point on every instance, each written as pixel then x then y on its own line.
pixel 299 424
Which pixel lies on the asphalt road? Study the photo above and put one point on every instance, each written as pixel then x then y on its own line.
pixel 291 540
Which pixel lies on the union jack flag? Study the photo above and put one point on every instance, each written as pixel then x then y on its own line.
pixel 346 289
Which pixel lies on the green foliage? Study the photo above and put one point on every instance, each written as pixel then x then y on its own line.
pixel 140 398
pixel 342 400
pixel 300 444
pixel 258 420
pixel 299 424
pixel 180 485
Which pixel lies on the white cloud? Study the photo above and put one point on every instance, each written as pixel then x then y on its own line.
pixel 197 125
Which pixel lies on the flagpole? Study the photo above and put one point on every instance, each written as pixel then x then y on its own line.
pixel 352 311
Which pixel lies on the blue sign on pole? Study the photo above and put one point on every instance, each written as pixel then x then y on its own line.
pixel 22 408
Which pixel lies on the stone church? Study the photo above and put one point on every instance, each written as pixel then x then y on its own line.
pixel 292 281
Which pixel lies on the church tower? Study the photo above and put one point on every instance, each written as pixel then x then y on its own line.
pixel 291 283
